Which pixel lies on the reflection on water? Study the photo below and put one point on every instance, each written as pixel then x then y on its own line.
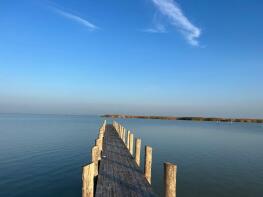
pixel 43 155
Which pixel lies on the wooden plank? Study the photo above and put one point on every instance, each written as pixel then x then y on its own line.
pixel 119 175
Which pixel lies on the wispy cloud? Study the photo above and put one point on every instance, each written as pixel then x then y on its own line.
pixel 76 19
pixel 157 29
pixel 171 9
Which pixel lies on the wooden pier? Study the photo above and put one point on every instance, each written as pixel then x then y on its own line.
pixel 115 171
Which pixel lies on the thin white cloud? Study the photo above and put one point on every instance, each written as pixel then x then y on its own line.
pixel 77 19
pixel 171 9
pixel 157 29
pixel 153 30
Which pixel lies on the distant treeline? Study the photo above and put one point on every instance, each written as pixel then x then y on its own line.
pixel 187 118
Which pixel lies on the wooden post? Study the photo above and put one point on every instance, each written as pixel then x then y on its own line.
pixel 128 139
pixel 170 179
pixel 88 180
pixel 131 144
pixel 102 129
pixel 101 135
pixel 122 130
pixel 121 136
pixel 148 163
pixel 95 156
pixel 138 151
pixel 124 134
pixel 99 144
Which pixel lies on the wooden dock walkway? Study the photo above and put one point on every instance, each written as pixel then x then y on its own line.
pixel 119 175
pixel 114 170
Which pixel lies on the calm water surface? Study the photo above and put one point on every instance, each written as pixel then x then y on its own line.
pixel 43 155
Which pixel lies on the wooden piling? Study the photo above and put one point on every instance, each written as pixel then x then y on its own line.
pixel 128 139
pixel 101 135
pixel 88 180
pixel 124 135
pixel 170 179
pixel 138 151
pixel 131 144
pixel 148 163
pixel 123 177
pixel 95 157
pixel 99 143
pixel 123 129
pixel 91 176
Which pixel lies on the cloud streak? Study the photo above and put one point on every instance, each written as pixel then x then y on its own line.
pixel 76 19
pixel 170 9
pixel 157 29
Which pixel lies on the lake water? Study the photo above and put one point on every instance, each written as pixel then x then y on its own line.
pixel 42 155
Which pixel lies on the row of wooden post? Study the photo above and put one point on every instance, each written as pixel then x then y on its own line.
pixel 169 168
pixel 129 143
pixel 91 171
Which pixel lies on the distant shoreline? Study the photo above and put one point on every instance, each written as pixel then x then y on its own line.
pixel 248 120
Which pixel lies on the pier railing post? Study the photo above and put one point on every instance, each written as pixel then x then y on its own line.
pixel 148 163
pixel 123 136
pixel 122 133
pixel 95 156
pixel 88 180
pixel 121 130
pixel 131 144
pixel 138 151
pixel 99 144
pixel 170 179
pixel 128 139
pixel 101 135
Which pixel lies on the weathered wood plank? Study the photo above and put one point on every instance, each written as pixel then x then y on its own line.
pixel 119 175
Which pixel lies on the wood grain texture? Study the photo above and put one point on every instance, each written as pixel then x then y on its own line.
pixel 148 163
pixel 95 156
pixel 119 175
pixel 170 179
pixel 128 140
pixel 88 180
pixel 138 151
pixel 131 143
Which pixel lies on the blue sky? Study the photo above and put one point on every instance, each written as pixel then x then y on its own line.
pixel 161 57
